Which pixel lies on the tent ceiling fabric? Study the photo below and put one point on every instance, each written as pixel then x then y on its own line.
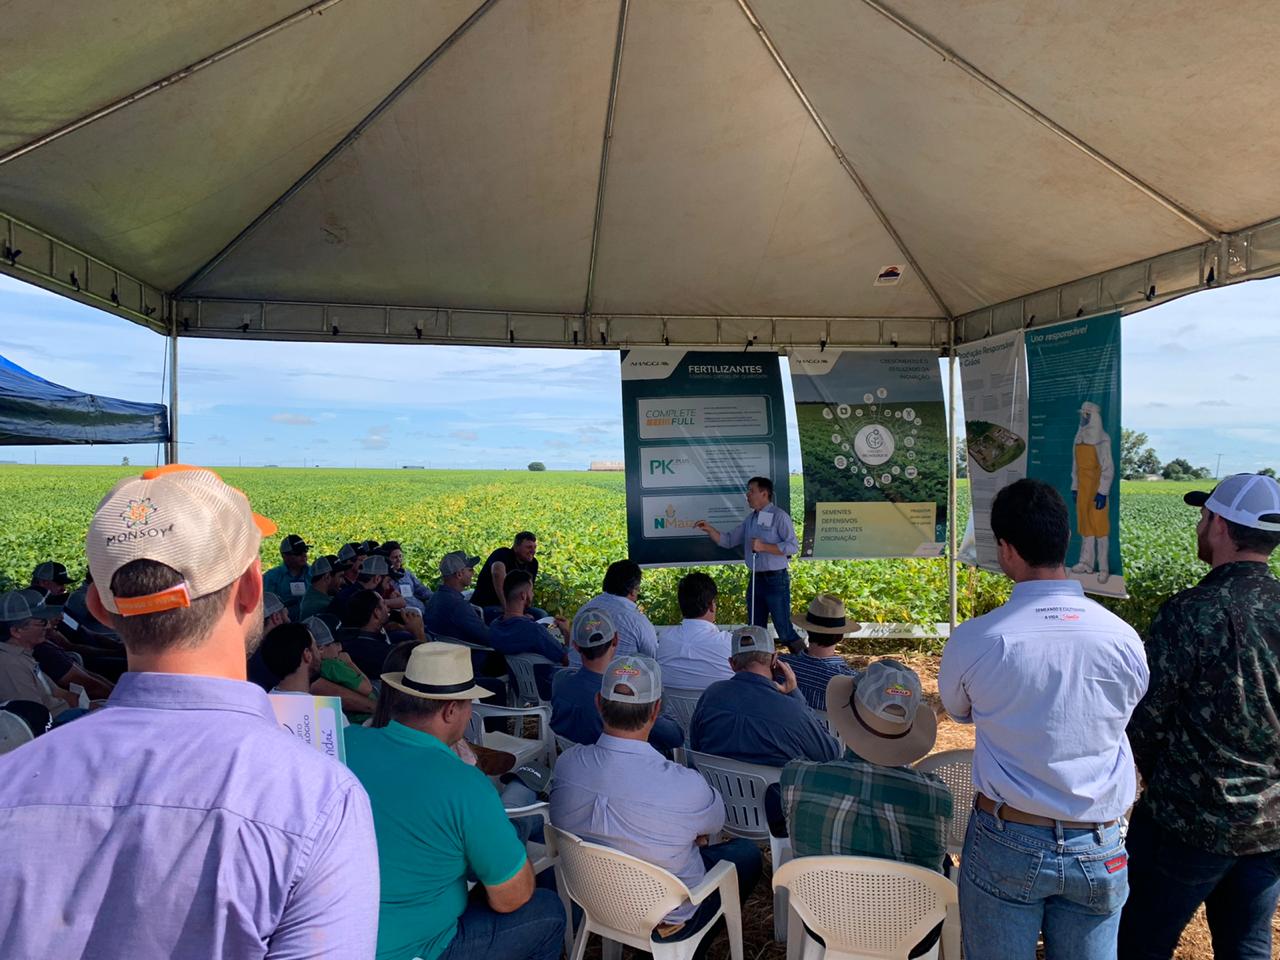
pixel 441 171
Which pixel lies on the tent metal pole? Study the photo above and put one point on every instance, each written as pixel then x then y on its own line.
pixel 171 448
pixel 952 596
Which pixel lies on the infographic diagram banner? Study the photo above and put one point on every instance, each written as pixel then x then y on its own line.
pixel 696 427
pixel 1074 378
pixel 993 377
pixel 873 432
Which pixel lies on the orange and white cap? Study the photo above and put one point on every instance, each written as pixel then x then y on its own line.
pixel 184 517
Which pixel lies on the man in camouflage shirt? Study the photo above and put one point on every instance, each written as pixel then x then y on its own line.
pixel 1207 740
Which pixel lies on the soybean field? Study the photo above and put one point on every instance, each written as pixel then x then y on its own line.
pixel 579 519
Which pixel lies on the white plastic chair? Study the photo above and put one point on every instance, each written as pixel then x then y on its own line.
pixel 866 908
pixel 624 898
pixel 679 704
pixel 824 718
pixel 742 787
pixel 540 749
pixel 955 768
pixel 521 667
pixel 563 744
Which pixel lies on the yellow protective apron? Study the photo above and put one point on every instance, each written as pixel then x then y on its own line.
pixel 1091 521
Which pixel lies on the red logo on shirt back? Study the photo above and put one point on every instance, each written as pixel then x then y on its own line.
pixel 1117 863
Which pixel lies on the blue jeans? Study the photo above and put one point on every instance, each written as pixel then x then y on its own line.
pixel 769 595
pixel 534 932
pixel 1017 880
pixel 746 858
pixel 1170 880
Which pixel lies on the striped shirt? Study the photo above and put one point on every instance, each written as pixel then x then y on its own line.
pixel 850 807
pixel 812 674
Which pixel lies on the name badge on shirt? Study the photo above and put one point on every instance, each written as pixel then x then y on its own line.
pixel 766 520
pixel 406 590
pixel 297 589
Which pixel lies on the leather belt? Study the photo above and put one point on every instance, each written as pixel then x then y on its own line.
pixel 984 803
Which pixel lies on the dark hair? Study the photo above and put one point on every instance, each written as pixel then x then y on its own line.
pixel 360 608
pixel 596 653
pixel 283 646
pixel 763 483
pixel 622 577
pixel 522 536
pixel 390 545
pixel 1252 539
pixel 395 661
pixel 516 580
pixel 695 593
pixel 741 661
pixel 1031 517
pixel 625 716
pixel 182 629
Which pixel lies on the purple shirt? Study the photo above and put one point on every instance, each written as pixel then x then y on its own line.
pixel 180 821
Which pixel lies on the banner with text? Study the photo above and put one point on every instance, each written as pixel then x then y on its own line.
pixel 993 377
pixel 1074 417
pixel 696 427
pixel 873 431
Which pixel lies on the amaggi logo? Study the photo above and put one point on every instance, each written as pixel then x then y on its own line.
pixel 138 513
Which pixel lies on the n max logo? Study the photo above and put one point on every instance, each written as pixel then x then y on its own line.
pixel 661 467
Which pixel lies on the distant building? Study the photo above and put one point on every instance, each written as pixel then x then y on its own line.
pixel 412 466
pixel 607 465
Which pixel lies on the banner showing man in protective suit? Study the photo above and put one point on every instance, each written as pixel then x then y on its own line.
pixel 1093 473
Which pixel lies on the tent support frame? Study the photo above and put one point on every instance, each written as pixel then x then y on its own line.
pixel 171 448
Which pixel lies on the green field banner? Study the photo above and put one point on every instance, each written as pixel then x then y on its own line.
pixel 1074 417
pixel 873 432
pixel 696 426
pixel 993 377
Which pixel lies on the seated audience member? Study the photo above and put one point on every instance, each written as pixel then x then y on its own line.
pixel 415 593
pixel 339 675
pixel 574 713
pixel 290 652
pixel 21 678
pixel 50 578
pixel 621 591
pixel 102 657
pixel 439 821
pixel 758 716
pixel 58 658
pixel 363 637
pixel 518 632
pixel 622 793
pixel 350 558
pixel 825 623
pixel 370 574
pixel 521 555
pixel 449 613
pixel 289 580
pixel 325 581
pixel 92 631
pixel 274 612
pixel 871 802
pixel 21 721
pixel 696 653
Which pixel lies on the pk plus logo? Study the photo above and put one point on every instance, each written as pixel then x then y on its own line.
pixel 661 467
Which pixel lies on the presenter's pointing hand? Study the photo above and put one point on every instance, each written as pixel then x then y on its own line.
pixel 704 526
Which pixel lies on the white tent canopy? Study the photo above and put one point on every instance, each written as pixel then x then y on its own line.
pixel 614 172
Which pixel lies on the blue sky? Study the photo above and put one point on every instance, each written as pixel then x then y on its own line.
pixel 1199 378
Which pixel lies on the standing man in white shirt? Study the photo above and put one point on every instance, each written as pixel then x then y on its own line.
pixel 1049 681
pixel 768 539
pixel 696 653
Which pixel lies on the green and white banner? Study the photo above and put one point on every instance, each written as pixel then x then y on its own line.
pixel 873 432
pixel 1074 416
pixel 696 427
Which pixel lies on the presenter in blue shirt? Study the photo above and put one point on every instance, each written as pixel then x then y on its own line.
pixel 768 540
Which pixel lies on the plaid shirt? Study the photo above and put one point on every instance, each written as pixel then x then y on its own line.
pixel 854 808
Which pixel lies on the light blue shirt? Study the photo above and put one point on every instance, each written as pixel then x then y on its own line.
pixel 694 655
pixel 624 794
pixel 1048 680
pixel 635 633
pixel 771 525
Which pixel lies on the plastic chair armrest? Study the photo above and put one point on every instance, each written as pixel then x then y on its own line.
pixel 723 877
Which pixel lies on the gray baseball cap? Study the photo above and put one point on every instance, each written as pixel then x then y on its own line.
pixel 751 640
pixel 592 627
pixel 320 566
pixel 374 566
pixel 22 605
pixel 455 562
pixel 641 675
pixel 271 605
pixel 347 553
pixel 320 631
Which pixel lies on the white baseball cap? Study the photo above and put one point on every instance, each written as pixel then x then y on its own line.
pixel 1249 499
pixel 182 516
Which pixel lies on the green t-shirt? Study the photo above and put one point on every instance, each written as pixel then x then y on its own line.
pixel 436 818
pixel 313 603
pixel 340 672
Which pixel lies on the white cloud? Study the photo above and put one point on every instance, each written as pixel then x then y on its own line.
pixel 466 436
pixel 294 419
pixel 375 439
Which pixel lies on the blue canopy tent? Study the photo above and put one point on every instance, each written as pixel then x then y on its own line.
pixel 35 411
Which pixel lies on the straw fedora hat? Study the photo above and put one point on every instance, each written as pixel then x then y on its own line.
pixel 826 615
pixel 438 671
pixel 882 715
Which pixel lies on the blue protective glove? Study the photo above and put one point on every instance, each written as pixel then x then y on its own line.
pixel 1100 502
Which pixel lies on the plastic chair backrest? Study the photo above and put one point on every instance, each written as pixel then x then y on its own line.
pixel 615 889
pixel 564 743
pixel 866 906
pixel 955 768
pixel 679 704
pixel 741 786
pixel 521 666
